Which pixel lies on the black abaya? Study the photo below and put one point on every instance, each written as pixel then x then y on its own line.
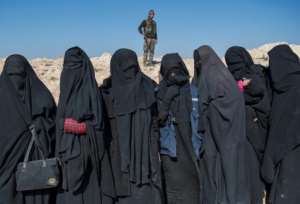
pixel 181 174
pixel 281 160
pixel 257 103
pixel 223 166
pixel 129 97
pixel 25 101
pixel 87 175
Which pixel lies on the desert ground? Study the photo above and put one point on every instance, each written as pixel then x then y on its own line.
pixel 49 70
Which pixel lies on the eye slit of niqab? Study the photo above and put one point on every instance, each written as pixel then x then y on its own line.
pixel 130 72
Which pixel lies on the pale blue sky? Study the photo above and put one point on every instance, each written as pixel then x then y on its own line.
pixel 46 28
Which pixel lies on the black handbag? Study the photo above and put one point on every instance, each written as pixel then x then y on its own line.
pixel 37 174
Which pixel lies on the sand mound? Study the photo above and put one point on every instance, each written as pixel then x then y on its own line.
pixel 49 69
pixel 260 55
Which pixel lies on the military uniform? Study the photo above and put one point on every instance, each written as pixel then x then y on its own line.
pixel 149 30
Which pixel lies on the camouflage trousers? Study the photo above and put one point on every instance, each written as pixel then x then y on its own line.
pixel 149 46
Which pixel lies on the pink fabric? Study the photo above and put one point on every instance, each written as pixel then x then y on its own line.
pixel 241 85
pixel 72 126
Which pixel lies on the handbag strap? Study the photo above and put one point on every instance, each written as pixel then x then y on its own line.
pixel 25 113
pixel 31 143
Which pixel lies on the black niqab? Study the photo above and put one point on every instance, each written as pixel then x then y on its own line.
pixel 181 174
pixel 256 96
pixel 257 103
pixel 280 165
pixel 131 91
pixel 175 77
pixel 223 166
pixel 25 100
pixel 129 97
pixel 283 79
pixel 87 176
pixel 128 83
pixel 240 62
pixel 284 128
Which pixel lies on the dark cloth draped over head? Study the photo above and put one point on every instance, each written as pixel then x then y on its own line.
pixel 284 125
pixel 173 69
pixel 223 166
pixel 239 62
pixel 175 83
pixel 256 96
pixel 284 68
pixel 86 166
pixel 130 98
pixel 181 172
pixel 25 101
pixel 257 108
pixel 128 83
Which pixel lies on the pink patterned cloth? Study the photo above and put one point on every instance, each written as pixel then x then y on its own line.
pixel 240 85
pixel 72 126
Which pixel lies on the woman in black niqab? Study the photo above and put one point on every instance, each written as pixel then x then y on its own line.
pixel 281 160
pixel 223 166
pixel 257 102
pixel 130 102
pixel 180 157
pixel 87 175
pixel 25 101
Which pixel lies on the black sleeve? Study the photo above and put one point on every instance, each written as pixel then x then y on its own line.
pixel 164 103
pixel 254 92
pixel 142 25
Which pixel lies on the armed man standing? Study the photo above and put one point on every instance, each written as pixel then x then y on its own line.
pixel 149 30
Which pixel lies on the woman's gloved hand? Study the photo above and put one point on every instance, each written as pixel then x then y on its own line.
pixel 75 127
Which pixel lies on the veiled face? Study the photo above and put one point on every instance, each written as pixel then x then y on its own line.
pixel 173 70
pixel 130 72
pixel 16 72
pixel 238 74
pixel 18 80
pixel 124 66
pixel 239 62
pixel 175 74
pixel 284 67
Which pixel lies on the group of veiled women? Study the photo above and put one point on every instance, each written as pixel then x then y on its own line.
pixel 230 135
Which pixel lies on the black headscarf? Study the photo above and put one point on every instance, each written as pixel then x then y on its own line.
pixel 286 78
pixel 256 96
pixel 84 157
pixel 25 101
pixel 223 117
pixel 175 83
pixel 173 62
pixel 175 104
pixel 130 97
pixel 128 83
pixel 284 125
pixel 257 106
pixel 239 62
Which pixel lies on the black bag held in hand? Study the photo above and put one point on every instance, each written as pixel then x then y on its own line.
pixel 38 174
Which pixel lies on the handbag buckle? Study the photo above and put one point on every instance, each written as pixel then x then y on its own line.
pixel 52 181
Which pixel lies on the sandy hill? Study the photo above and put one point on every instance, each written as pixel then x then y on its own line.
pixel 49 69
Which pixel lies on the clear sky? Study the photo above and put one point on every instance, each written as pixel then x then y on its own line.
pixel 46 28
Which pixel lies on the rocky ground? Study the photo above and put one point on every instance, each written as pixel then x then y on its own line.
pixel 49 69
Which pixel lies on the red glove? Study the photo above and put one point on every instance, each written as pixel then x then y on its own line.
pixel 72 126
